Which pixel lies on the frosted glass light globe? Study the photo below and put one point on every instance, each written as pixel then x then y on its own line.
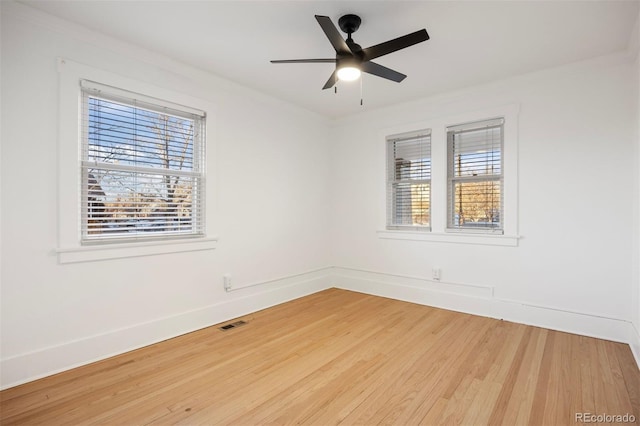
pixel 348 73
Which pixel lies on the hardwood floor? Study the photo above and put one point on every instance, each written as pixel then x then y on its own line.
pixel 343 357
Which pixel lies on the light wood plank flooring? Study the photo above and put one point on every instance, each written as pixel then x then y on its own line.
pixel 343 357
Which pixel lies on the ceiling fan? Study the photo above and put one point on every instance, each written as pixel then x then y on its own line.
pixel 351 59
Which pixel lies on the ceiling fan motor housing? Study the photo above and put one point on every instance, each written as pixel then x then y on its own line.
pixel 343 61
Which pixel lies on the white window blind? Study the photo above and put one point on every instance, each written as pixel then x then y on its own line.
pixel 475 178
pixel 409 181
pixel 142 167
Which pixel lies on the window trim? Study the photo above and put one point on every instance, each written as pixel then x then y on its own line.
pixel 69 247
pixel 439 232
pixel 452 237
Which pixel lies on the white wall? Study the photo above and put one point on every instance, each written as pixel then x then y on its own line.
pixel 270 197
pixel 635 332
pixel 572 268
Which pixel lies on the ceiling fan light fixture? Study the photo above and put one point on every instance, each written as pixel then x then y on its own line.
pixel 348 73
pixel 351 59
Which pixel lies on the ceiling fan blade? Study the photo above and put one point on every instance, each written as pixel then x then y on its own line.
pixel 304 61
pixel 333 35
pixel 332 80
pixel 384 72
pixel 395 44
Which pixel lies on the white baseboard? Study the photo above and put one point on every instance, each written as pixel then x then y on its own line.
pixel 479 300
pixel 47 361
pixel 472 299
pixel 634 343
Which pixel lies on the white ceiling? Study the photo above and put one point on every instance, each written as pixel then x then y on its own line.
pixel 472 42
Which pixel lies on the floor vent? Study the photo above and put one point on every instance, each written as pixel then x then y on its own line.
pixel 232 325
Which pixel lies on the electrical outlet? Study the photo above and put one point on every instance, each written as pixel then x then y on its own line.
pixel 226 280
pixel 435 274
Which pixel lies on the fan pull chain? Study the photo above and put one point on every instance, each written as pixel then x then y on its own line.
pixel 361 103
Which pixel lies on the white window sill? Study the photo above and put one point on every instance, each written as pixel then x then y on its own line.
pixel 452 237
pixel 125 250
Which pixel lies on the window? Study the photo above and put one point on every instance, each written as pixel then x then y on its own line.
pixel 475 179
pixel 142 167
pixel 467 169
pixel 409 181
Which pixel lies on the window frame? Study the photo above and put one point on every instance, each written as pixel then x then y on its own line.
pixel 69 248
pixel 452 180
pixel 101 92
pixel 392 180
